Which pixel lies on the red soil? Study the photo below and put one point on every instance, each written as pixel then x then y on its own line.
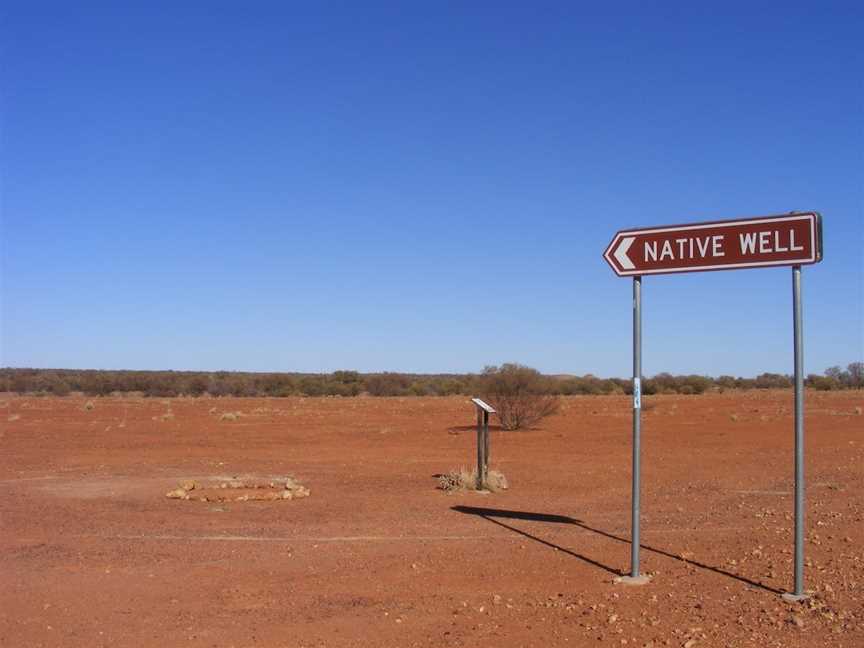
pixel 92 553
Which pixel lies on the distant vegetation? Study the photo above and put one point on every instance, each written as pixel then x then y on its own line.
pixel 60 382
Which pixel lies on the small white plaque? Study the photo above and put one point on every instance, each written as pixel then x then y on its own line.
pixel 483 405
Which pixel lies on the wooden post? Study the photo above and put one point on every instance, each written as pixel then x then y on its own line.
pixel 486 458
pixel 483 412
pixel 481 451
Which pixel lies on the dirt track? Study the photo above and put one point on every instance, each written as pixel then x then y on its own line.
pixel 94 554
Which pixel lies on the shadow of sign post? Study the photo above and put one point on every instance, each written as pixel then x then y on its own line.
pixel 495 516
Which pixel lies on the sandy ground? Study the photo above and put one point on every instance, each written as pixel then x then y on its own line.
pixel 92 553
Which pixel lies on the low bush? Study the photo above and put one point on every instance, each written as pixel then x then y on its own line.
pixel 521 396
pixel 388 384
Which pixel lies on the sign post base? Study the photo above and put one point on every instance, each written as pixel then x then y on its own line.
pixel 789 597
pixel 642 579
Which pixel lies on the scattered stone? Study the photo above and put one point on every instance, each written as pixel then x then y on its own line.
pixel 261 490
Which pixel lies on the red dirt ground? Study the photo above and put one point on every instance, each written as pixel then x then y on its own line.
pixel 94 554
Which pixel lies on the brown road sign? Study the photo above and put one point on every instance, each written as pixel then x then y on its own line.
pixel 792 239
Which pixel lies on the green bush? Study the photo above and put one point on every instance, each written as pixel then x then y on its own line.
pixel 388 384
pixel 823 383
pixel 772 381
pixel 312 386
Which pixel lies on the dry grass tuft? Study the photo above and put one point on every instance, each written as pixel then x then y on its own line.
pixel 230 416
pixel 466 480
pixel 456 480
pixel 13 417
pixel 496 481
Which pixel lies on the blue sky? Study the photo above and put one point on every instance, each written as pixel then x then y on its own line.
pixel 417 187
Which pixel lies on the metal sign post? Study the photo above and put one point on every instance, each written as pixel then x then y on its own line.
pixel 797 320
pixel 637 420
pixel 791 239
pixel 635 578
pixel 483 412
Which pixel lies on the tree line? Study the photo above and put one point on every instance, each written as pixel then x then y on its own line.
pixel 97 382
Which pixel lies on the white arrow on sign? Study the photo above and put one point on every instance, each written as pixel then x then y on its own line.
pixel 621 252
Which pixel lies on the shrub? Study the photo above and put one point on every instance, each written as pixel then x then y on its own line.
pixel 725 382
pixel 855 372
pixel 419 389
pixel 695 384
pixel 521 396
pixel 59 387
pixel 197 385
pixel 773 381
pixel 343 383
pixel 161 389
pixel 449 386
pixel 219 386
pixel 851 378
pixel 312 386
pixel 346 377
pixel 823 383
pixel 241 386
pixel 586 384
pixel 388 384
